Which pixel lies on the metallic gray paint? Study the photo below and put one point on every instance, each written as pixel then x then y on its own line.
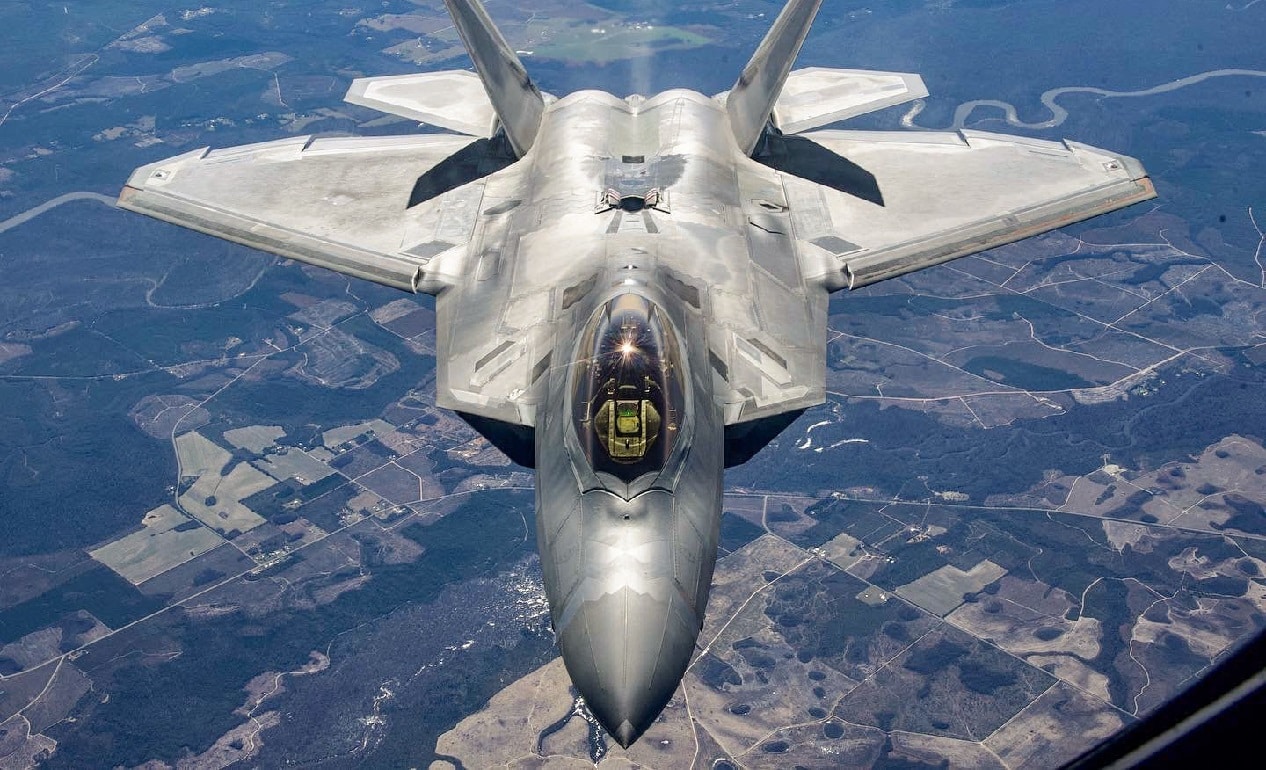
pixel 514 97
pixel 652 196
pixel 752 98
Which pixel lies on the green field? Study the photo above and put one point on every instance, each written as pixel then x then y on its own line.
pixel 582 44
pixel 168 539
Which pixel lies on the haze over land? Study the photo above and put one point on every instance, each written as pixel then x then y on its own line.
pixel 235 529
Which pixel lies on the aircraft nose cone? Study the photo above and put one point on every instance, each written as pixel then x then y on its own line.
pixel 626 733
pixel 626 652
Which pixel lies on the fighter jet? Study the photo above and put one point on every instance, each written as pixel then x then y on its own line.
pixel 631 293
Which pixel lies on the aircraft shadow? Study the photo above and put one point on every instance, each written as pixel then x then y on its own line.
pixel 474 161
pixel 809 160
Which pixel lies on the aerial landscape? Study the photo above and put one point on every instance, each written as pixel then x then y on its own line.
pixel 237 531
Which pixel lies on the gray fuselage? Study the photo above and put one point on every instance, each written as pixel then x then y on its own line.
pixel 628 561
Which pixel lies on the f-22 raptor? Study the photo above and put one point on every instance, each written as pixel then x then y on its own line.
pixel 631 293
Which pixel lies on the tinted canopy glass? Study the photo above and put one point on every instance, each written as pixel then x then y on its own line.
pixel 627 390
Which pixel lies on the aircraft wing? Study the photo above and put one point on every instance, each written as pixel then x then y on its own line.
pixel 910 200
pixel 862 206
pixel 339 203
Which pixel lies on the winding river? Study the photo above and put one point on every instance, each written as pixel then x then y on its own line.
pixel 1058 113
pixel 32 213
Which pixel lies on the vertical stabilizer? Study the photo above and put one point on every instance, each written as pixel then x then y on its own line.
pixel 515 98
pixel 752 98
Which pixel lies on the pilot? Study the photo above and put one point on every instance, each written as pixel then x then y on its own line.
pixel 627 422
pixel 628 395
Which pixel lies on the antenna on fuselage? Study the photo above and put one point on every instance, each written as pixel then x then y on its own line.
pixel 514 96
pixel 752 98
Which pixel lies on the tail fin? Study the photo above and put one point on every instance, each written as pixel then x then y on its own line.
pixel 515 98
pixel 752 98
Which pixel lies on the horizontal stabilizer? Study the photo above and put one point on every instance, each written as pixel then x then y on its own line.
pixel 453 99
pixel 817 96
pixel 751 100
pixel 513 95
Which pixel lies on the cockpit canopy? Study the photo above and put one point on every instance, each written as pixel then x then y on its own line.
pixel 627 389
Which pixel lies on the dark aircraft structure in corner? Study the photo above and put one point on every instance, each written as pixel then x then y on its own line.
pixel 631 293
